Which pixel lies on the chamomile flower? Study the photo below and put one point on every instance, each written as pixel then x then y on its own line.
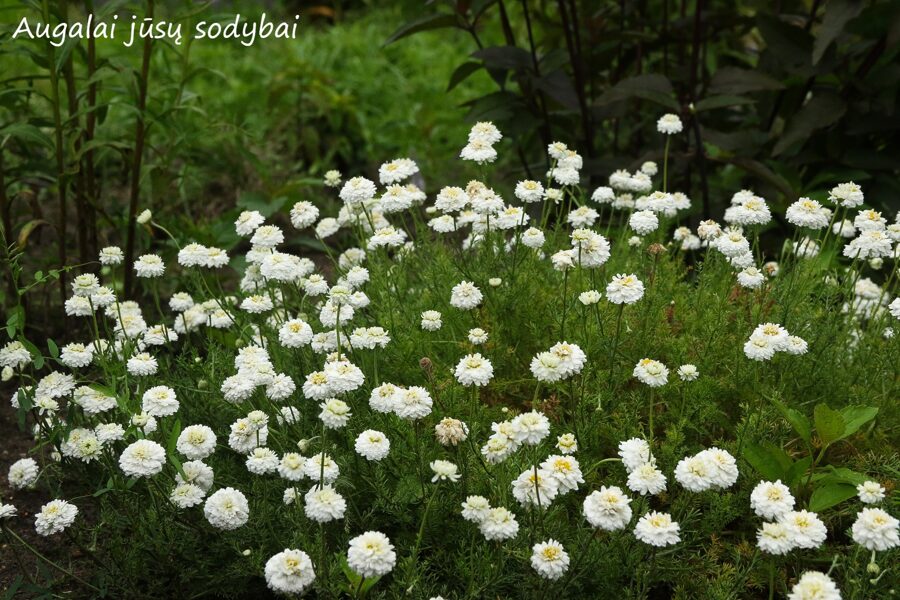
pixel 372 445
pixel 874 529
pixel 657 529
pixel 371 554
pixel 535 487
pixel 607 509
pixel 806 529
pixel 771 500
pixel 227 509
pixel 499 524
pixel 814 585
pixel 669 124
pixel 196 442
pixel 465 296
pixel 324 504
pixel 870 492
pixel 451 432
pixel 651 372
pixel 474 370
pixel 143 458
pixel 624 289
pixel 289 572
pixel 774 538
pixel 646 479
pixel 444 470
pixel 549 559
pixel 23 473
pixel 475 509
pixel 55 516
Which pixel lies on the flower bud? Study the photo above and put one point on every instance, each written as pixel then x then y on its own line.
pixel 144 217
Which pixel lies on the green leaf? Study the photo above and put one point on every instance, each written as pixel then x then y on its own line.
pixel 559 86
pixel 54 349
pixel 259 202
pixel 714 102
pixel 797 420
pixel 855 417
pixel 504 57
pixel 462 72
pixel 795 473
pixel 36 357
pixel 426 23
pixel 823 110
pixel 177 462
pixel 837 14
pixel 733 80
pixel 353 580
pixel 829 424
pixel 789 46
pixel 27 133
pixel 764 461
pixel 173 435
pixel 832 474
pixel 29 228
pixel 829 495
pixel 655 88
pixel 754 167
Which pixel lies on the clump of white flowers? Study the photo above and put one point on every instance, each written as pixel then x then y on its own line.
pixel 416 359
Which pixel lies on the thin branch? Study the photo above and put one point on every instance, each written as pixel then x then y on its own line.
pixel 139 141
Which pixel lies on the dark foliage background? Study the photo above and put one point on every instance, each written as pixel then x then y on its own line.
pixel 789 97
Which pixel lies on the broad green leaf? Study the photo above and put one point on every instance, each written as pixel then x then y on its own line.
pixel 829 495
pixel 426 23
pixel 713 102
pixel 829 424
pixel 353 580
pixel 28 133
pixel 832 474
pixel 504 57
pixel 755 167
pixel 857 416
pixel 797 420
pixel 655 88
pixel 53 348
pixel 462 72
pixel 733 80
pixel 822 110
pixel 763 460
pixel 837 14
pixel 788 44
pixel 559 86
pixel 797 471
pixel 36 357
pixel 173 435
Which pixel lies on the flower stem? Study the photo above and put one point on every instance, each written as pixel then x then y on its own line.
pixel 59 568
pixel 666 165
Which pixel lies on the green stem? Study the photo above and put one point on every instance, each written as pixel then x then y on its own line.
pixel 666 165
pixel 34 551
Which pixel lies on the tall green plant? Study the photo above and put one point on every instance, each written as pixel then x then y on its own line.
pixel 788 100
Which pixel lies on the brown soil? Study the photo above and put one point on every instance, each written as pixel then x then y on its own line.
pixel 20 570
